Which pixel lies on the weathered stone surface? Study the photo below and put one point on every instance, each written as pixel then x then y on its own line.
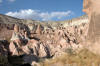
pixel 38 30
pixel 36 40
pixel 5 31
pixel 92 8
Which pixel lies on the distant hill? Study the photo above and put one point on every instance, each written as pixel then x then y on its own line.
pixel 11 20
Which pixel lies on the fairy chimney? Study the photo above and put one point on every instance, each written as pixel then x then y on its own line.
pixel 38 30
pixel 16 28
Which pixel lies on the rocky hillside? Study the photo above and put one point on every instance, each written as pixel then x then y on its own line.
pixel 33 40
pixel 7 23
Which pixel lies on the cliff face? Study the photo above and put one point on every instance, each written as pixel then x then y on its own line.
pixel 92 8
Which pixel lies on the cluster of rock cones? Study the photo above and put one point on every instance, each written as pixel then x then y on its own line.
pixel 34 41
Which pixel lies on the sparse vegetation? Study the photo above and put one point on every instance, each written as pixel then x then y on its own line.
pixel 82 58
pixel 3 60
pixel 15 60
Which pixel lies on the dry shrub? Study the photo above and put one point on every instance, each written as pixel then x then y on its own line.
pixel 82 58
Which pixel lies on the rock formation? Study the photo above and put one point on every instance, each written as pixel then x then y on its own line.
pixel 37 40
pixel 92 9
pixel 33 40
pixel 92 42
pixel 38 30
pixel 46 45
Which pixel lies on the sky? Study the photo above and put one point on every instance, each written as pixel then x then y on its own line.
pixel 43 10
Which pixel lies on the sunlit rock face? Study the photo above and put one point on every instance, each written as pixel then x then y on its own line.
pixel 63 37
pixel 34 40
pixel 92 8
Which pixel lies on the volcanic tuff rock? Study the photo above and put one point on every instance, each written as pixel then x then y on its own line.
pixel 34 39
pixel 92 8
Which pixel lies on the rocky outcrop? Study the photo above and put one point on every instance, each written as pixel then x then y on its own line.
pixel 92 9
pixel 39 29
pixel 5 31
pixel 35 40
pixel 51 43
pixel 92 42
